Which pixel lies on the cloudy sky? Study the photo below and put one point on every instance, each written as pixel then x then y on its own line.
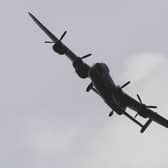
pixel 46 117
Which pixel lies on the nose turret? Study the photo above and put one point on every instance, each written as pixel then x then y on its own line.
pixel 99 68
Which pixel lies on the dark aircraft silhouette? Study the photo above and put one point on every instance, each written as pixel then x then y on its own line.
pixel 103 85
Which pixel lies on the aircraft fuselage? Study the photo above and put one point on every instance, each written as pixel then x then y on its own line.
pixel 106 88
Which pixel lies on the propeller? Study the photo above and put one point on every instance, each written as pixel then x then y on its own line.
pixel 78 60
pixel 139 99
pixel 63 35
pixel 86 56
pixel 147 106
pixel 124 85
pixel 61 38
pixel 111 113
pixel 65 32
pixel 90 86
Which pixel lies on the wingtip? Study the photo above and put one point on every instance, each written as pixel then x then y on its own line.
pixel 30 14
pixel 33 17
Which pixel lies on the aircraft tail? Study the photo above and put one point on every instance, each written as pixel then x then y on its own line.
pixel 145 126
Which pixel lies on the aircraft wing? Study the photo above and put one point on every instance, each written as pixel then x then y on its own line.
pixel 144 112
pixel 73 57
pixel 50 35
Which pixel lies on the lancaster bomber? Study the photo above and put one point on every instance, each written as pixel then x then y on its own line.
pixel 103 85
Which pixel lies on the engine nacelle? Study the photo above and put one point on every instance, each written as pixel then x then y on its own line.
pixel 81 68
pixel 59 48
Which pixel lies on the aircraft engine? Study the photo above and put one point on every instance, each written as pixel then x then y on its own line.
pixel 81 68
pixel 59 48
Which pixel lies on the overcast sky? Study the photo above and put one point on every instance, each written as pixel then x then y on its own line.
pixel 47 120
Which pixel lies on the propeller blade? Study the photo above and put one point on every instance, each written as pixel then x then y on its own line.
pixel 90 86
pixel 85 56
pixel 111 113
pixel 151 106
pixel 65 32
pixel 127 83
pixel 136 115
pixel 139 99
pixel 49 42
pixel 144 104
